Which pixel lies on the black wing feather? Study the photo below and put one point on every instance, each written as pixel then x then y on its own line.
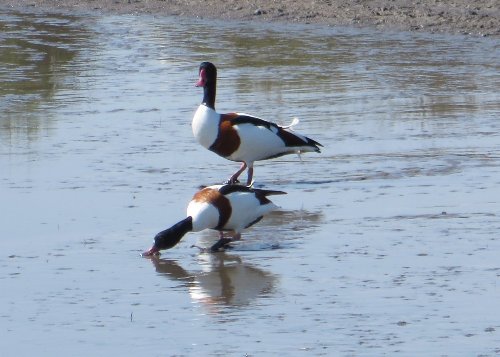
pixel 287 136
pixel 227 189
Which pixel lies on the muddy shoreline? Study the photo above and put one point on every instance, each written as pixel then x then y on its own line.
pixel 476 18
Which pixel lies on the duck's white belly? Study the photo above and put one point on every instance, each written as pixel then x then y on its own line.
pixel 205 125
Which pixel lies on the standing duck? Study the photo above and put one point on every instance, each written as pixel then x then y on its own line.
pixel 219 207
pixel 241 137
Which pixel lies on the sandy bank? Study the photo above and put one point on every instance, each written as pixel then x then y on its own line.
pixel 478 18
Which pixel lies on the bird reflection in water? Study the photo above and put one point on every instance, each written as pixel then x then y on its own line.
pixel 223 281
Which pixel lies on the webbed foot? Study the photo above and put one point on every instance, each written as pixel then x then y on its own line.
pixel 222 243
pixel 231 181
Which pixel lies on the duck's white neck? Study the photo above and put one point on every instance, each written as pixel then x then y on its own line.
pixel 205 125
pixel 204 215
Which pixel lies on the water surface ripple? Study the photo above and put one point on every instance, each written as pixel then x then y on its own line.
pixel 386 244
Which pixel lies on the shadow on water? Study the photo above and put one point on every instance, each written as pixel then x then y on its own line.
pixel 223 280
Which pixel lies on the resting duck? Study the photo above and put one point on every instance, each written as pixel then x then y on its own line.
pixel 219 207
pixel 242 137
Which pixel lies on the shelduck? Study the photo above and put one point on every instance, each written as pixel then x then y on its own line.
pixel 241 137
pixel 219 207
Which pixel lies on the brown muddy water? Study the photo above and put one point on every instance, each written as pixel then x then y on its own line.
pixel 386 244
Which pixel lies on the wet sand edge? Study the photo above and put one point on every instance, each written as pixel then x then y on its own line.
pixel 478 18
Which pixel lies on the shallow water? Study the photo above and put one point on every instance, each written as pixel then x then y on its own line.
pixel 386 244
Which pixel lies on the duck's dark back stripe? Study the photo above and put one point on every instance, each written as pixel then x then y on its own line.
pixel 227 140
pixel 247 119
pixel 218 200
pixel 227 189
pixel 260 194
pixel 289 138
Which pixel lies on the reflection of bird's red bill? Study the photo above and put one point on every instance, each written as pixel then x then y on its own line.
pixel 152 251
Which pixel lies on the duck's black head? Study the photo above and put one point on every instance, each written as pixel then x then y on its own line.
pixel 170 237
pixel 208 80
pixel 208 75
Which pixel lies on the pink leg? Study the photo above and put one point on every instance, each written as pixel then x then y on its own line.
pixel 234 178
pixel 250 175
